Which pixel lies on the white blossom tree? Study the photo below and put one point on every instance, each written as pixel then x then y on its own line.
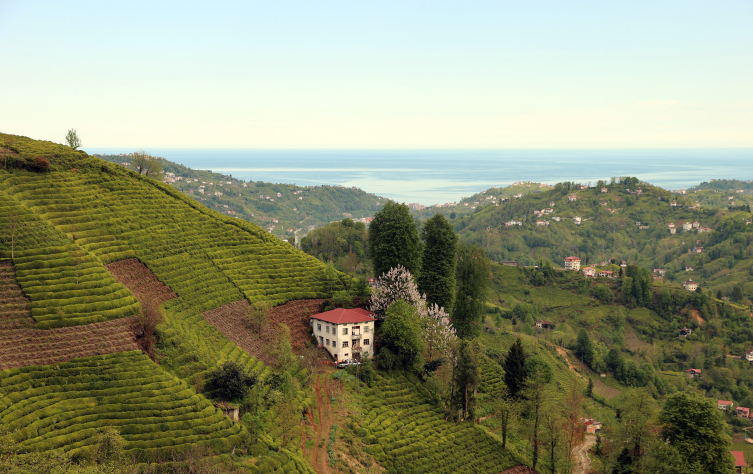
pixel 438 334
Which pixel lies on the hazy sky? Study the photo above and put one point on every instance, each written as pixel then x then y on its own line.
pixel 379 74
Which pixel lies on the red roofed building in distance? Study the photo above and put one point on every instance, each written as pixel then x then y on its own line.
pixel 345 332
pixel 739 461
pixel 742 412
pixel 572 263
pixel 724 404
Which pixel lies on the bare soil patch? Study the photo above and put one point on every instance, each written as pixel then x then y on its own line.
pixel 24 347
pixel 578 367
pixel 135 276
pixel 15 307
pixel 632 342
pixel 232 321
pixel 582 461
pixel 697 317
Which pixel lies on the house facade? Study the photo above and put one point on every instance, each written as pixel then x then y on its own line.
pixel 692 373
pixel 572 263
pixel 343 331
pixel 690 285
pixel 724 404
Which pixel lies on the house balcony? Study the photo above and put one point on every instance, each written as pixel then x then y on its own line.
pixel 356 335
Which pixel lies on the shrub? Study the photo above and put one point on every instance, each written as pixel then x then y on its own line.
pixel 230 381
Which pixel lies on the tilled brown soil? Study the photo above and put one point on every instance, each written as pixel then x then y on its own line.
pixel 232 321
pixel 24 347
pixel 135 276
pixel 15 307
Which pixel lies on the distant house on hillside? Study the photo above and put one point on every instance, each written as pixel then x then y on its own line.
pixel 603 190
pixel 673 204
pixel 660 272
pixel 749 356
pixel 572 198
pixel 690 285
pixel 589 272
pixel 572 263
pixel 577 220
pixel 724 404
pixel 556 218
pixel 742 412
pixel 684 332
pixel 606 274
pixel 541 324
pixel 688 269
pixel 591 426
pixel 692 373
pixel 687 226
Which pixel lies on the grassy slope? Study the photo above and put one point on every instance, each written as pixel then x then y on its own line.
pixel 72 222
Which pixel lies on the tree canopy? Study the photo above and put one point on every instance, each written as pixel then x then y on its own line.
pixel 439 260
pixel 515 374
pixel 394 240
pixel 694 426
pixel 472 275
pixel 400 336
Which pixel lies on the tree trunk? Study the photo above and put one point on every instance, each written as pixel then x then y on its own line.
pixel 465 414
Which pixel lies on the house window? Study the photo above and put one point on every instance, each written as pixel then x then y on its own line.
pixel 319 327
pixel 365 342
pixel 327 329
pixel 346 354
pixel 345 331
pixel 327 342
pixel 345 343
pixel 366 329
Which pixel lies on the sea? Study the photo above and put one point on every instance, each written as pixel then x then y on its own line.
pixel 440 176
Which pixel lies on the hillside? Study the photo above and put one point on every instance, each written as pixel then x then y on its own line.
pixel 86 245
pixel 93 256
pixel 619 224
pixel 282 209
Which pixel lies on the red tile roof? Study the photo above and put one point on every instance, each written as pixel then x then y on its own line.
pixel 739 458
pixel 724 402
pixel 342 315
pixel 572 259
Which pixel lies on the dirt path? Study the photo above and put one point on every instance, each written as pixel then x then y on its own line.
pixel 320 457
pixel 599 386
pixel 697 317
pixel 563 353
pixel 580 453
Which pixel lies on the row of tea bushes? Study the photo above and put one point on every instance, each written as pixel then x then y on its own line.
pixel 66 285
pixel 197 252
pixel 405 434
pixel 64 405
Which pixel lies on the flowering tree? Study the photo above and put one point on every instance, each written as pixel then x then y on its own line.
pixel 438 334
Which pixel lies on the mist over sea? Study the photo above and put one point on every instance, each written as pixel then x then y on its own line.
pixel 439 176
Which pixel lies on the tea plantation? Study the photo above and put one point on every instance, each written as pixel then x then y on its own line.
pixel 62 406
pixel 407 434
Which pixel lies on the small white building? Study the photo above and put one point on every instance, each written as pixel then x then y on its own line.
pixel 343 331
pixel 690 285
pixel 687 226
pixel 572 263
pixel 577 220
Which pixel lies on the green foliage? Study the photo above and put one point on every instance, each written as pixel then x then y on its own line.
pixel 230 381
pixel 537 366
pixel 343 243
pixel 584 347
pixel 394 240
pixel 437 279
pixel 472 276
pixel 603 293
pixel 72 139
pixel 515 373
pixel 401 336
pixel 694 426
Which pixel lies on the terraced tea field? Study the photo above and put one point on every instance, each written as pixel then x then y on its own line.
pixel 206 258
pixel 63 406
pixel 406 434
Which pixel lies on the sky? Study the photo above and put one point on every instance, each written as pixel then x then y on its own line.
pixel 379 74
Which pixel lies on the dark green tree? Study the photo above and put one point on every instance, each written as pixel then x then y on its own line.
pixel 394 240
pixel 515 374
pixel 584 348
pixel 694 426
pixel 400 337
pixel 230 381
pixel 467 376
pixel 472 275
pixel 438 262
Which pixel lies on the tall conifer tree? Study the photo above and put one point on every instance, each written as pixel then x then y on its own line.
pixel 472 277
pixel 438 262
pixel 515 374
pixel 394 240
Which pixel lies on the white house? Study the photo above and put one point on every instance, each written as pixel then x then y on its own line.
pixel 749 356
pixel 343 331
pixel 577 220
pixel 572 198
pixel 687 226
pixel 690 285
pixel 572 263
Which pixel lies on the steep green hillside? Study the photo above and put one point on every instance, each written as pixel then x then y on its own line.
pixel 64 216
pixel 281 208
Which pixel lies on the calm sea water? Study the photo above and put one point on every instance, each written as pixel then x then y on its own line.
pixel 439 176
